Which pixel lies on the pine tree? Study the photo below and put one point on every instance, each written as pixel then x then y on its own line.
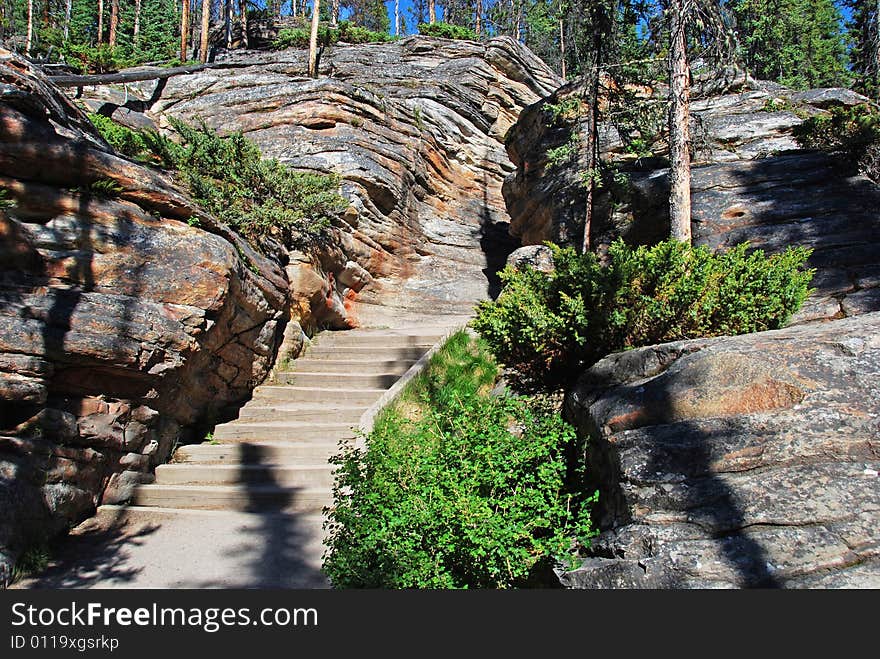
pixel 864 35
pixel 799 43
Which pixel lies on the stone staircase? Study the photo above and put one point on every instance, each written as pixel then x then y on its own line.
pixel 245 509
pixel 275 455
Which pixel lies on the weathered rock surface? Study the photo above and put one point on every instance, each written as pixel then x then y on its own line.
pixel 737 461
pixel 121 326
pixel 750 182
pixel 415 128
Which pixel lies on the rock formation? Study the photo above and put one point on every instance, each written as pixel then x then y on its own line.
pixel 414 127
pixel 738 461
pixel 122 326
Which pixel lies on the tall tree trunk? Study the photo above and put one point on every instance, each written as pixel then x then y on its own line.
pixel 562 46
pixel 313 40
pixel 100 22
pixel 114 21
pixel 184 30
pixel 206 26
pixel 601 31
pixel 68 9
pixel 227 23
pixel 432 12
pixel 136 35
pixel 244 26
pixel 679 138
pixel 396 17
pixel 478 23
pixel 334 11
pixel 29 39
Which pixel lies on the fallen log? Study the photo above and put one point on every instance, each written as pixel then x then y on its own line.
pixel 129 76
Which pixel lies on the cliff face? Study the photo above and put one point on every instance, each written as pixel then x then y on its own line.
pixel 121 325
pixel 415 128
pixel 750 181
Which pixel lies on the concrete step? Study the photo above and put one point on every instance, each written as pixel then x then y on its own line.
pixel 245 498
pixel 362 366
pixel 376 338
pixel 288 431
pixel 301 475
pixel 274 394
pixel 350 380
pixel 361 353
pixel 303 412
pixel 257 453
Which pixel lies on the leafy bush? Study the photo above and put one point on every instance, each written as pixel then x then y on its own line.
pixel 562 154
pixel 345 31
pixel 447 31
pixel 456 488
pixel 124 140
pixel 549 326
pixel 853 133
pixel 230 179
pixel 258 197
pixel 296 37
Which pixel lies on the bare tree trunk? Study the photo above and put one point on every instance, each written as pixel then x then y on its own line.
pixel 100 22
pixel 227 23
pixel 334 11
pixel 432 12
pixel 313 40
pixel 396 17
pixel 206 26
pixel 519 21
pixel 478 24
pixel 29 39
pixel 679 138
pixel 137 23
pixel 184 30
pixel 562 46
pixel 114 21
pixel 68 9
pixel 243 18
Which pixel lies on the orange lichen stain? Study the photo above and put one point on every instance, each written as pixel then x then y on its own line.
pixel 348 302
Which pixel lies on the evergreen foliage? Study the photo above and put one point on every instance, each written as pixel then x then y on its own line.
pixel 230 179
pixel 550 326
pixel 446 31
pixel 798 43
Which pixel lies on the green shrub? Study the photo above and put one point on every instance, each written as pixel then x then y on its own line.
pixel 297 37
pixel 258 197
pixel 345 31
pixel 447 31
pixel 456 488
pixel 853 133
pixel 562 154
pixel 548 327
pixel 124 140
pixel 93 59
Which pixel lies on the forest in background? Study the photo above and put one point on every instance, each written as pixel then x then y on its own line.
pixel 798 43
